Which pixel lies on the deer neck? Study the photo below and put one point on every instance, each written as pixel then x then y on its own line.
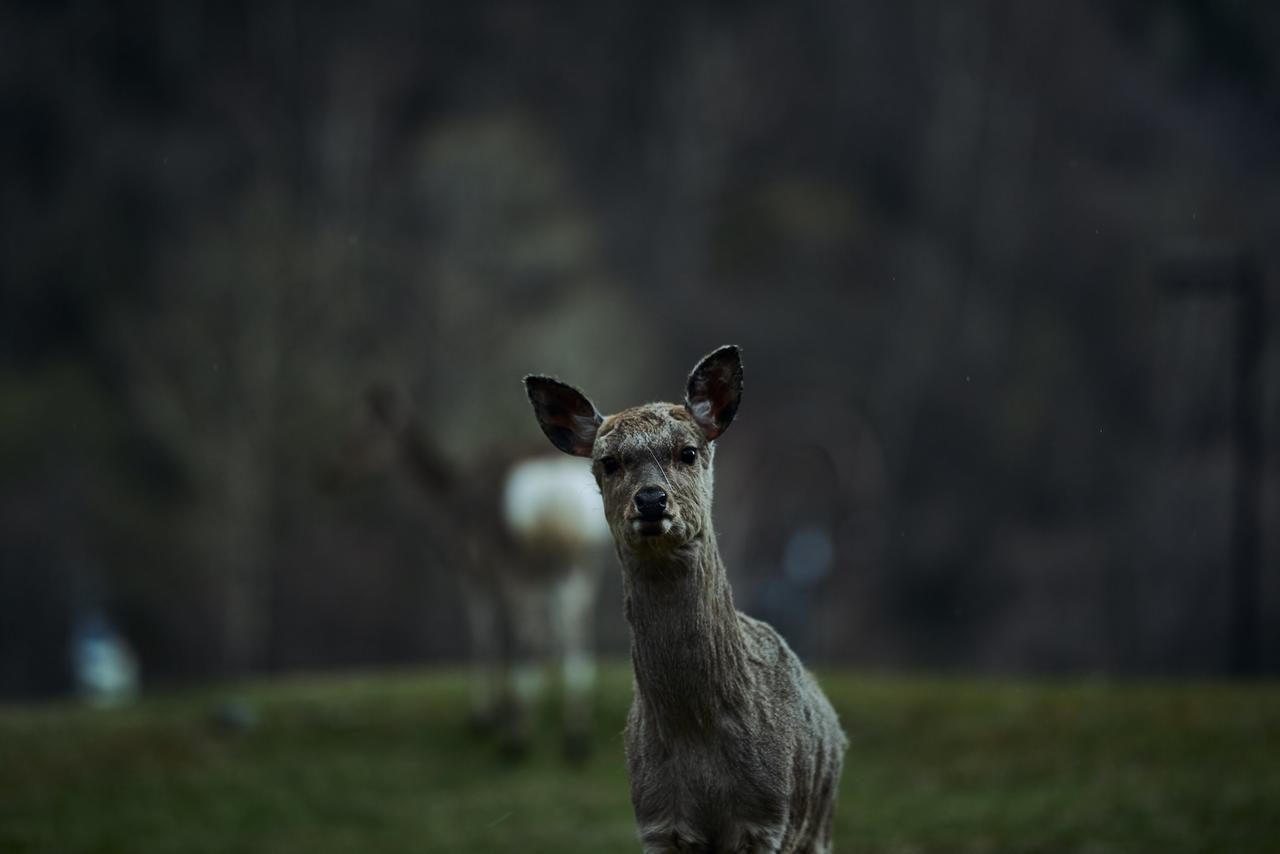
pixel 687 647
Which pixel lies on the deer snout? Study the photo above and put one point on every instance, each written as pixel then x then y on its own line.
pixel 651 503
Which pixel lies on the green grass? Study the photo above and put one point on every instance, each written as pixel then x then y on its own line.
pixel 383 763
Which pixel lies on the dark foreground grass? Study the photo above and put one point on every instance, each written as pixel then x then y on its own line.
pixel 384 764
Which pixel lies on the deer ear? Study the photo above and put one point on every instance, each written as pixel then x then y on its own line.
pixel 715 390
pixel 564 414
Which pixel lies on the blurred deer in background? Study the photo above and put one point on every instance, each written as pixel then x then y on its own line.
pixel 530 538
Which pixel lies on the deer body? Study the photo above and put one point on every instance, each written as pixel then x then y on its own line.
pixel 530 533
pixel 545 571
pixel 731 745
pixel 551 509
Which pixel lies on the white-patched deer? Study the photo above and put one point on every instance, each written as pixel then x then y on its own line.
pixel 528 540
pixel 731 744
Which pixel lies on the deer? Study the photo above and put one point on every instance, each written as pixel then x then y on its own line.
pixel 529 537
pixel 731 745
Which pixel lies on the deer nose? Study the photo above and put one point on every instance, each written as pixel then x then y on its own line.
pixel 651 502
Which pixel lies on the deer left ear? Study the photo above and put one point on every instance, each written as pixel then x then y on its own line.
pixel 564 414
pixel 715 390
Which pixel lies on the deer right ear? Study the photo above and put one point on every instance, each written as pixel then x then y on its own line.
pixel 564 414
pixel 715 390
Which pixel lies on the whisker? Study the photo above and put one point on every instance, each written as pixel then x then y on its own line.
pixel 661 470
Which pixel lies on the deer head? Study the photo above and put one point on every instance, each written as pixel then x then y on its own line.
pixel 653 463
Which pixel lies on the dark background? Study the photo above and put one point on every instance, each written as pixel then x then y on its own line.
pixel 949 238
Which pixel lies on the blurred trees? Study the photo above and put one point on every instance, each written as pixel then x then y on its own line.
pixel 932 231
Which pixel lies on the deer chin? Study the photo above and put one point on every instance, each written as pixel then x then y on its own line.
pixel 653 535
pixel 651 527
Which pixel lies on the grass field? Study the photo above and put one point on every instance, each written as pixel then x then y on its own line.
pixel 383 763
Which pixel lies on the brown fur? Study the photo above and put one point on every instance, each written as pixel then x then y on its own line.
pixel 731 745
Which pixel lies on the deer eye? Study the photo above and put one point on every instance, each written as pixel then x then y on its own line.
pixel 609 464
pixel 689 455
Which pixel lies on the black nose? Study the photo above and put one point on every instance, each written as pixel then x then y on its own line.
pixel 651 502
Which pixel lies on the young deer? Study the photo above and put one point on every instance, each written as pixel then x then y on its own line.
pixel 529 538
pixel 731 745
